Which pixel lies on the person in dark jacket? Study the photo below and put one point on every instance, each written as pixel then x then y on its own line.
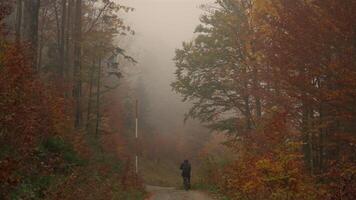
pixel 186 168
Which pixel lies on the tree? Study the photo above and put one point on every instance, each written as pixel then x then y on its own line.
pixel 280 75
pixel 63 38
pixel 311 82
pixel 40 153
pixel 217 71
pixel 18 20
pixel 30 28
pixel 77 86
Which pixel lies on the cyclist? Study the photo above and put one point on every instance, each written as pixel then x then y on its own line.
pixel 186 168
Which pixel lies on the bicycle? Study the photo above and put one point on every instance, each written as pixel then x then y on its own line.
pixel 186 183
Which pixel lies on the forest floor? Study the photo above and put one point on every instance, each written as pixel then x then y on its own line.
pixel 171 193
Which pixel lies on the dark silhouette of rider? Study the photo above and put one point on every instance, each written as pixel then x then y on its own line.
pixel 186 168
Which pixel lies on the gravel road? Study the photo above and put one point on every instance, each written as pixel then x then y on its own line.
pixel 165 193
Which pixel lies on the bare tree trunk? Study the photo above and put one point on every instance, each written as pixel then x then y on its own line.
pixel 57 24
pixel 77 64
pixel 62 39
pixel 256 86
pixel 68 30
pixel 91 81
pixel 248 114
pixel 310 143
pixel 43 19
pixel 18 20
pixel 30 28
pixel 321 138
pixel 98 100
pixel 246 98
pixel 307 135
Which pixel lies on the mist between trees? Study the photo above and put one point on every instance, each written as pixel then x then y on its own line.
pixel 269 88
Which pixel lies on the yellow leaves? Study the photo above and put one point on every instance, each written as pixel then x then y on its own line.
pixel 263 6
pixel 264 164
pixel 271 173
pixel 294 145
pixel 270 168
pixel 262 10
pixel 250 186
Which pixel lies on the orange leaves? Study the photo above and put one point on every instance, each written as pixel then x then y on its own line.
pixel 29 113
pixel 264 176
pixel 303 53
pixel 269 164
pixel 27 106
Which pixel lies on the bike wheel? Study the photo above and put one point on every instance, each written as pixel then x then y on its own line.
pixel 186 184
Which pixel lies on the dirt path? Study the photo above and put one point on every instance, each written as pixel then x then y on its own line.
pixel 165 193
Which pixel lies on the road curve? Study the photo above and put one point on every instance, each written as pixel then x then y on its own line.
pixel 166 193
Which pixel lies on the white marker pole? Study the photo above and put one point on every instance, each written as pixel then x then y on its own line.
pixel 136 137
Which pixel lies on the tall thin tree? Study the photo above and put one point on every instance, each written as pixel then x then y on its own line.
pixel 30 27
pixel 18 20
pixel 77 87
pixel 62 38
pixel 98 99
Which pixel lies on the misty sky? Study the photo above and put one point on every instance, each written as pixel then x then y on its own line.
pixel 161 26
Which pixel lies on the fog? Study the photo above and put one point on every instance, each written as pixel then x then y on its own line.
pixel 161 26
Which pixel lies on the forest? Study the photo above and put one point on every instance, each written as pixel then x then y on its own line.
pixel 269 88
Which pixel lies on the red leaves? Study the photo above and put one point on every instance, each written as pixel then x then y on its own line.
pixel 307 131
pixel 29 113
pixel 26 105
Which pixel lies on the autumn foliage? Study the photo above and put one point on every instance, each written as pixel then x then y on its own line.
pixel 279 76
pixel 41 155
pixel 31 112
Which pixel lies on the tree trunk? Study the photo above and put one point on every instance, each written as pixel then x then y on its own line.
pixel 77 64
pixel 30 28
pixel 248 114
pixel 62 39
pixel 18 20
pixel 309 136
pixel 68 30
pixel 256 86
pixel 321 139
pixel 311 159
pixel 41 37
pixel 91 81
pixel 57 30
pixel 98 100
